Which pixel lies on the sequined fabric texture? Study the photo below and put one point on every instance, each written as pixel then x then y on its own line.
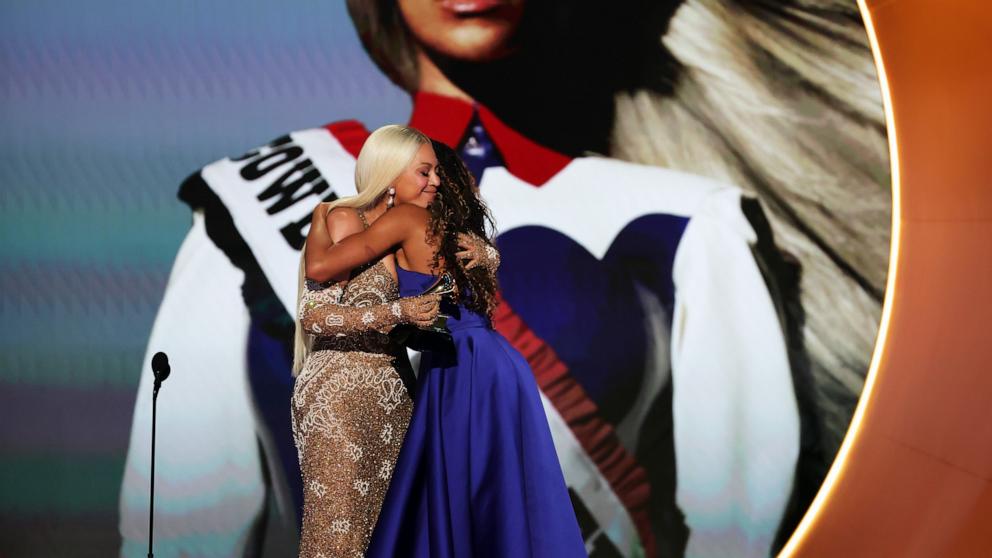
pixel 350 414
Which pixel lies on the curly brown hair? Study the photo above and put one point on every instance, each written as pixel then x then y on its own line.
pixel 457 208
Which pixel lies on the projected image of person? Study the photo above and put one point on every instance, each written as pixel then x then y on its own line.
pixel 686 355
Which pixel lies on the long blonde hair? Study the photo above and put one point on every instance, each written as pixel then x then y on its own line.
pixel 784 101
pixel 386 153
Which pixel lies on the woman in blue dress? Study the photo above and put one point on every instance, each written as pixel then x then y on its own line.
pixel 477 474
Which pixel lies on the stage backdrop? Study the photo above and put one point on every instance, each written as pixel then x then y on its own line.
pixel 106 108
pixel 692 202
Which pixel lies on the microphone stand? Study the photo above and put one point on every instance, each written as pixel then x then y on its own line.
pixel 161 368
pixel 151 504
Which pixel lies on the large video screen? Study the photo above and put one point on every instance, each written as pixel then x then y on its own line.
pixel 692 208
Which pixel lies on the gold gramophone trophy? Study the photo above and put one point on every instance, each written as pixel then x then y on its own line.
pixel 437 336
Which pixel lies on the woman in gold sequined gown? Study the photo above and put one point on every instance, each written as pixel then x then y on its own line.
pixel 350 407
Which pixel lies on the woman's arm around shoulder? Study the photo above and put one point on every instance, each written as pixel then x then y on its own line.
pixel 328 228
pixel 324 261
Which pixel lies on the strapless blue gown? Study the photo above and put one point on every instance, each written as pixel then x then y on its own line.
pixel 477 475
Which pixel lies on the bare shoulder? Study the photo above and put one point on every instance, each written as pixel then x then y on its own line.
pixel 410 213
pixel 343 222
pixel 405 217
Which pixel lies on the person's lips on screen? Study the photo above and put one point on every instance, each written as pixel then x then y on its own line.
pixel 471 7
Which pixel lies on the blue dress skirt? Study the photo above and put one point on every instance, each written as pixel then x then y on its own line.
pixel 477 475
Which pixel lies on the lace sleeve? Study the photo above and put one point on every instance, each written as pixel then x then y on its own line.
pixel 492 259
pixel 482 251
pixel 322 314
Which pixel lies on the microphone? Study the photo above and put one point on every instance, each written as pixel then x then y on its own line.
pixel 161 368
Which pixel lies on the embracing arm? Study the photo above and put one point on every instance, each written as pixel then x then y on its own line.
pixel 478 251
pixel 327 228
pixel 325 317
pixel 325 262
pixel 321 313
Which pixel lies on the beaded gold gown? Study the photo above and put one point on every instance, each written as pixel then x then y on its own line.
pixel 350 410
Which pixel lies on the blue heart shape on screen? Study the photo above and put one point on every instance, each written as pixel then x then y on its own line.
pixel 588 309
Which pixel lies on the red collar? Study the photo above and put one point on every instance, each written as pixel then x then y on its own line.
pixel 446 119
